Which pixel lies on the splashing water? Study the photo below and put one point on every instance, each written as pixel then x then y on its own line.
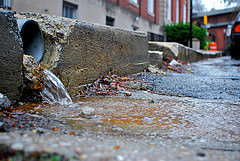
pixel 54 91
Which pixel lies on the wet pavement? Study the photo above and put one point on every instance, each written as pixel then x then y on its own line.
pixel 140 126
pixel 211 79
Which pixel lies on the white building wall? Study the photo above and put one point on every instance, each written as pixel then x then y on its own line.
pixel 94 11
pixel 53 7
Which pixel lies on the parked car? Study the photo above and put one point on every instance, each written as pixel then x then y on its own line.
pixel 235 38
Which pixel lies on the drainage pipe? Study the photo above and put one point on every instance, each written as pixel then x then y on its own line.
pixel 32 38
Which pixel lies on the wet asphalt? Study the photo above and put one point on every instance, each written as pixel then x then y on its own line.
pixel 217 78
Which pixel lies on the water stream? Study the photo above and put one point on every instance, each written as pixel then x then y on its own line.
pixel 54 91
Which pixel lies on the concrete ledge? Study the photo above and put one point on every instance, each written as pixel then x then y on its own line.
pixel 181 52
pixel 92 51
pixel 155 58
pixel 79 52
pixel 11 55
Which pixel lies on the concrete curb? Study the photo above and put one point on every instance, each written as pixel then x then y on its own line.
pixel 11 56
pixel 181 52
pixel 79 52
pixel 155 58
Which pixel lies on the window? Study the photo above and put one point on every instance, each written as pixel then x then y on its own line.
pixel 169 10
pixel 110 21
pixel 6 4
pixel 150 7
pixel 155 37
pixel 177 11
pixel 69 10
pixel 133 1
pixel 184 12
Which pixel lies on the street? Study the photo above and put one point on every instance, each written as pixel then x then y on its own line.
pixel 212 79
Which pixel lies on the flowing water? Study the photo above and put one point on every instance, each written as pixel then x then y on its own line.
pixel 54 91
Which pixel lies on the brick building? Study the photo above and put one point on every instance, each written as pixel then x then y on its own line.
pixel 219 25
pixel 148 16
pixel 178 11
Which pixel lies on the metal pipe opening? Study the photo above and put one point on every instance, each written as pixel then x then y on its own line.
pixel 32 38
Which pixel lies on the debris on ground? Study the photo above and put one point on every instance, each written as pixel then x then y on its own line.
pixel 177 66
pixel 155 70
pixel 112 84
pixel 174 63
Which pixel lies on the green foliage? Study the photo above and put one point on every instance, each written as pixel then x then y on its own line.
pixel 180 33
pixel 227 50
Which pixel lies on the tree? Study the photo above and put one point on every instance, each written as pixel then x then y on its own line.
pixel 198 6
pixel 180 33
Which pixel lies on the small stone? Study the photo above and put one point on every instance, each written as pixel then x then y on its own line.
pixel 155 70
pixel 175 63
pixel 88 112
pixel 120 158
pixel 201 154
pixel 127 93
pixel 83 157
pixel 78 150
pixel 2 129
pixel 4 101
pixel 21 103
pixel 17 146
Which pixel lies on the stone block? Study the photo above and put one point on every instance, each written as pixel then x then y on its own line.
pixel 11 56
pixel 181 52
pixel 155 58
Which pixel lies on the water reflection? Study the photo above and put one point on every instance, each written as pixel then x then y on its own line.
pixel 175 118
pixel 218 67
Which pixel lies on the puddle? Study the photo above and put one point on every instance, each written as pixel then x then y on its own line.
pixel 173 118
pixel 117 113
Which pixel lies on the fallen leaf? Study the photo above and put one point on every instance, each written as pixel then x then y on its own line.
pixel 55 129
pixel 116 147
pixel 72 133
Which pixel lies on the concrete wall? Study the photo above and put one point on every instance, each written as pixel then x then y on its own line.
pixel 53 7
pixel 11 55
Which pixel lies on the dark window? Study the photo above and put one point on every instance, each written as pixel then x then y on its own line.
pixel 69 10
pixel 110 21
pixel 216 19
pixel 213 37
pixel 155 37
pixel 6 4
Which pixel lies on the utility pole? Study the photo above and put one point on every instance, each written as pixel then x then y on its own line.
pixel 190 32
